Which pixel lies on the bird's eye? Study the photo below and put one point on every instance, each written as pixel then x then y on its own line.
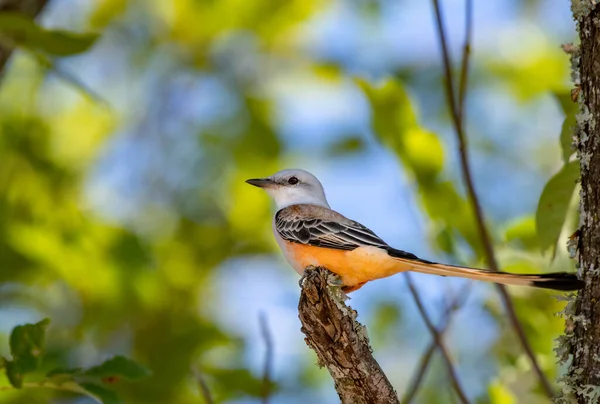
pixel 293 181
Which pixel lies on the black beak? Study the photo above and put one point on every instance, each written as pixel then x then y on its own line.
pixel 260 182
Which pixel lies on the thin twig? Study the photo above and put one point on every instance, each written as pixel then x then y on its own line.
pixel 437 338
pixel 266 380
pixel 464 69
pixel 451 308
pixel 204 390
pixel 457 113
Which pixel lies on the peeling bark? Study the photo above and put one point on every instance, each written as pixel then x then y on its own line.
pixel 582 342
pixel 341 343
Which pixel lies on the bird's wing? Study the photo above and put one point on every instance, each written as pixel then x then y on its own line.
pixel 322 227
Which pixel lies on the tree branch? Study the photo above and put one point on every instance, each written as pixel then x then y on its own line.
pixel 203 387
pixel 437 339
pixel 341 343
pixel 457 114
pixel 266 380
pixel 419 376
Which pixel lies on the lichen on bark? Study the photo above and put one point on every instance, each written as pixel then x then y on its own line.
pixel 581 342
pixel 341 343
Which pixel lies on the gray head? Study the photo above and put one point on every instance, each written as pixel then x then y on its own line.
pixel 292 186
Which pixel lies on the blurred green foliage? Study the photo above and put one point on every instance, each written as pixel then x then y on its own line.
pixel 147 287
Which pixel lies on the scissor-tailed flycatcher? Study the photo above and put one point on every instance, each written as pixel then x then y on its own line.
pixel 311 234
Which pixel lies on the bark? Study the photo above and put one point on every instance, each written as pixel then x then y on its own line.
pixel 29 8
pixel 341 343
pixel 583 314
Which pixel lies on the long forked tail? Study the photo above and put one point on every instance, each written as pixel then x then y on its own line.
pixel 555 280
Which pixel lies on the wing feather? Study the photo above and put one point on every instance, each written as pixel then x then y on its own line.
pixel 339 234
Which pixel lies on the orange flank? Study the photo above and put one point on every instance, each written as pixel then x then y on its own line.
pixel 354 267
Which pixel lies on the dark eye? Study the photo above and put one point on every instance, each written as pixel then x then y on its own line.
pixel 293 181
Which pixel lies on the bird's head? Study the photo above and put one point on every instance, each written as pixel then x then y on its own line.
pixel 291 187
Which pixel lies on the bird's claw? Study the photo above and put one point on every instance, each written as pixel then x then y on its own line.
pixel 336 284
pixel 307 269
pixel 334 281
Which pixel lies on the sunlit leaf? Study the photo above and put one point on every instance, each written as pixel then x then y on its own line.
pixel 18 29
pixel 395 123
pixel 545 61
pixel 106 11
pixel 424 152
pixel 499 394
pixel 26 347
pixel 119 366
pixel 523 231
pixel 392 112
pixel 554 203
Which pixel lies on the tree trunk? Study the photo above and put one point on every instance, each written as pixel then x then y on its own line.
pixel 582 384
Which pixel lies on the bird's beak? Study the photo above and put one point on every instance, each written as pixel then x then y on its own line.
pixel 261 182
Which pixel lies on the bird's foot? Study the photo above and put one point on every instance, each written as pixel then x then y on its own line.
pixel 334 280
pixel 306 270
pixel 336 286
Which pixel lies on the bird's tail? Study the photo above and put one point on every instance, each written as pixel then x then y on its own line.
pixel 555 280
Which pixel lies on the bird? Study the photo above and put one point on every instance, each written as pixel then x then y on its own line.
pixel 311 234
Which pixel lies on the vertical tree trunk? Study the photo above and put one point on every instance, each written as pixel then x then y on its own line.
pixel 582 384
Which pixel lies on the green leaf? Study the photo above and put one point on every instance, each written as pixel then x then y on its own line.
pixel 553 204
pixel 26 347
pixel 17 29
pixel 523 231
pixel 396 125
pixel 499 394
pixel 566 137
pixel 103 394
pixel 569 108
pixel 393 114
pixel 237 382
pixel 119 366
pixel 566 103
pixel 14 374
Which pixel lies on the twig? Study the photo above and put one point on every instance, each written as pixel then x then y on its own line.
pixel 204 390
pixel 266 380
pixel 341 343
pixel 417 380
pixel 457 113
pixel 437 338
pixel 464 70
